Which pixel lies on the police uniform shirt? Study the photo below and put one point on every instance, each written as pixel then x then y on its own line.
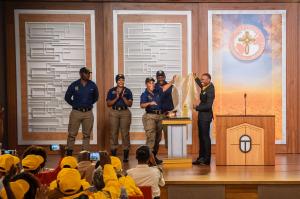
pixel 166 98
pixel 112 94
pixel 79 96
pixel 149 97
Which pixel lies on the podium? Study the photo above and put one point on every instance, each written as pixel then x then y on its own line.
pixel 245 140
pixel 177 140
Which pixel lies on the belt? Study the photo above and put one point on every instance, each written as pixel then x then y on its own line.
pixel 119 108
pixel 83 109
pixel 158 112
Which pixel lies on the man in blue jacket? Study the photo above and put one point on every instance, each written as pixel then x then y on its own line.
pixel 81 95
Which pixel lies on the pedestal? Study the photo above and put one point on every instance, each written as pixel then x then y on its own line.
pixel 177 140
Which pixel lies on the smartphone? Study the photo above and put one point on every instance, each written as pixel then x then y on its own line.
pixel 12 152
pixel 94 156
pixel 54 147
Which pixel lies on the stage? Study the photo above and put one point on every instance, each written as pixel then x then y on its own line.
pixel 240 182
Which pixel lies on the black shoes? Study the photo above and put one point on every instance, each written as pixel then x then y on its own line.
pixel 201 161
pixel 158 161
pixel 125 157
pixel 69 152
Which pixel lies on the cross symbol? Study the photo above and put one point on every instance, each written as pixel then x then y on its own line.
pixel 247 39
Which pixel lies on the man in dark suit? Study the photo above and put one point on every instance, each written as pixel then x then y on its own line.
pixel 205 116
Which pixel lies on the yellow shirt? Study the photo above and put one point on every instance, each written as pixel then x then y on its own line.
pixel 130 186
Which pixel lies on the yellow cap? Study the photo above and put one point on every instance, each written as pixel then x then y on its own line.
pixel 116 163
pixel 69 181
pixel 69 161
pixel 6 162
pixel 85 185
pixel 32 162
pixel 18 187
pixel 16 160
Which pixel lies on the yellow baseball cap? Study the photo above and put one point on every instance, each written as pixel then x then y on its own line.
pixel 18 187
pixel 116 163
pixel 69 161
pixel 69 181
pixel 32 162
pixel 16 160
pixel 6 162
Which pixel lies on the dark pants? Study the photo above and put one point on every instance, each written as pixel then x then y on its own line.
pixel 204 140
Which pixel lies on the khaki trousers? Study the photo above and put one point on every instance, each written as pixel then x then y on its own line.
pixel 153 129
pixel 86 119
pixel 120 121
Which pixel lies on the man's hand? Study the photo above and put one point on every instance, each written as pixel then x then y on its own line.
pixel 194 75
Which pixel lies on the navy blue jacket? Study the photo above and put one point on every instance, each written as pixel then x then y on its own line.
pixel 79 96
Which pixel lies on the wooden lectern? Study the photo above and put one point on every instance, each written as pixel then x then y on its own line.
pixel 177 140
pixel 245 140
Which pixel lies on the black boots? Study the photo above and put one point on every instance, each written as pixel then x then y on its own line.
pixel 158 161
pixel 114 152
pixel 125 157
pixel 69 152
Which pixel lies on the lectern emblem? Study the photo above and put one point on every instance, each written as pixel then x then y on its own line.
pixel 245 143
pixel 247 42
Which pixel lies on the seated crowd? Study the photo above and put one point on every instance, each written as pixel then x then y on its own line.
pixel 78 177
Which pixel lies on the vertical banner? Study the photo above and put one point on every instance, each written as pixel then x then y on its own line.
pixel 247 58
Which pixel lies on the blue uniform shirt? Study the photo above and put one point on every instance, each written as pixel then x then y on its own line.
pixel 79 96
pixel 149 97
pixel 166 99
pixel 112 94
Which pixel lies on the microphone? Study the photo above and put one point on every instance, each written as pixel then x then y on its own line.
pixel 245 101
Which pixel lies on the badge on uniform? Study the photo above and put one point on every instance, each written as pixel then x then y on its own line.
pixel 149 97
pixel 76 88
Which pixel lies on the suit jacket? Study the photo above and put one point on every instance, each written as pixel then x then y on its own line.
pixel 207 96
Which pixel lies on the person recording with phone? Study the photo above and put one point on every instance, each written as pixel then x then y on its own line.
pixel 205 116
pixel 119 98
